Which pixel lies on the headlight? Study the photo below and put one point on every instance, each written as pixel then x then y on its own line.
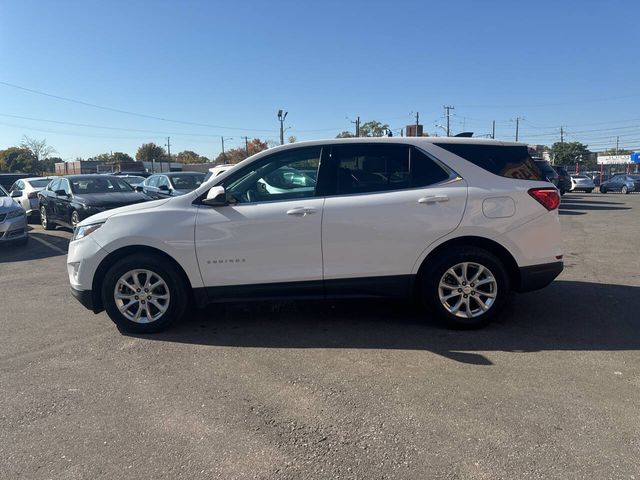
pixel 85 230
pixel 15 213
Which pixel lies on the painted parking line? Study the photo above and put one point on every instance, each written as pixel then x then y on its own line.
pixel 48 244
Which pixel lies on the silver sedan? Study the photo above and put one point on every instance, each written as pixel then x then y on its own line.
pixel 582 183
pixel 13 220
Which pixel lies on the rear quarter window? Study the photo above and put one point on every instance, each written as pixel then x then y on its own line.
pixel 503 160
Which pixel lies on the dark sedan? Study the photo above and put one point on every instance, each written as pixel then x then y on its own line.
pixel 621 183
pixel 172 184
pixel 69 200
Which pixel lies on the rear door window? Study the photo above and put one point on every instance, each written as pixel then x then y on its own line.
pixel 510 161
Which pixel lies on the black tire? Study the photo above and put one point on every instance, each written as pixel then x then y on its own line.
pixel 624 189
pixel 589 190
pixel 428 287
pixel 177 290
pixel 75 218
pixel 603 189
pixel 44 219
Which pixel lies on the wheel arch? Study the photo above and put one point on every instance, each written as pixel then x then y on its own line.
pixel 491 246
pixel 129 250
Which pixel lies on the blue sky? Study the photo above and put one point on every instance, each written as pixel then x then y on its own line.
pixel 234 64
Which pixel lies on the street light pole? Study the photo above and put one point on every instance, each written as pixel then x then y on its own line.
pixel 281 118
pixel 224 157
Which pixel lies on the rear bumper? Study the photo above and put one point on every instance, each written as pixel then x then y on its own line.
pixel 535 277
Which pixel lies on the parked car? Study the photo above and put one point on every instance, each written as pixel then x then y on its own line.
pixel 548 172
pixel 25 192
pixel 564 179
pixel 457 223
pixel 217 170
pixel 137 173
pixel 8 179
pixel 582 183
pixel 13 220
pixel 621 183
pixel 171 184
pixel 69 200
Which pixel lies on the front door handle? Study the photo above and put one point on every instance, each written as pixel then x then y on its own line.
pixel 301 211
pixel 434 199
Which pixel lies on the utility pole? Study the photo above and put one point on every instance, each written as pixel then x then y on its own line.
pixel 224 157
pixel 417 122
pixel 448 109
pixel 169 148
pixel 517 127
pixel 357 122
pixel 246 145
pixel 281 118
pixel 493 130
pixel 617 144
pixel 561 135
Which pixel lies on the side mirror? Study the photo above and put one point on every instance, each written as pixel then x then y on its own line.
pixel 139 188
pixel 164 188
pixel 217 197
pixel 16 193
pixel 61 193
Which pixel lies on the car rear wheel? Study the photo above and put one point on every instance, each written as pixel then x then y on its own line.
pixel 603 189
pixel 466 287
pixel 143 294
pixel 44 219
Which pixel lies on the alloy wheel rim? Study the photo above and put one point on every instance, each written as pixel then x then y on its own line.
pixel 468 290
pixel 43 217
pixel 74 219
pixel 141 296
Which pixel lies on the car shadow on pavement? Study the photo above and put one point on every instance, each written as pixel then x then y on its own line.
pixel 581 205
pixel 598 317
pixel 40 245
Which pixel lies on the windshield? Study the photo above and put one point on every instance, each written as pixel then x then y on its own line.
pixel 99 185
pixel 133 180
pixel 186 182
pixel 3 192
pixel 635 177
pixel 40 183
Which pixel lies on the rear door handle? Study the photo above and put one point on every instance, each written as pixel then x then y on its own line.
pixel 301 211
pixel 434 199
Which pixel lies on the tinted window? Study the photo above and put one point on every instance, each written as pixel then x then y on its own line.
pixel 55 185
pixel 3 192
pixel 424 171
pixel 162 180
pixel 186 182
pixel 64 185
pixel 99 185
pixel 39 183
pixel 152 181
pixel 505 161
pixel 283 176
pixel 363 168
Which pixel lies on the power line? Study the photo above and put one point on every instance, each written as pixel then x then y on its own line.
pixel 127 112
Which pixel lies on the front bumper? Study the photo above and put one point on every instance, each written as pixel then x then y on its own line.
pixel 85 297
pixel 13 229
pixel 535 277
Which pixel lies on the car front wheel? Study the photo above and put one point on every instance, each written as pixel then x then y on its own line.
pixel 143 294
pixel 465 288
pixel 44 219
pixel 624 189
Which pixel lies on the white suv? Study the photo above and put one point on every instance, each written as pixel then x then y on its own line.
pixel 457 223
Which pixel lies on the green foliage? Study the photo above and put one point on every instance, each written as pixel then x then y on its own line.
pixel 121 157
pixel 150 151
pixel 188 156
pixel 568 153
pixel 17 159
pixel 236 155
pixel 372 128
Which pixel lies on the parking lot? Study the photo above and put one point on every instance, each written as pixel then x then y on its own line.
pixel 356 389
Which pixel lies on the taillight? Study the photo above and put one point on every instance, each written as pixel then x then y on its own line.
pixel 32 195
pixel 549 198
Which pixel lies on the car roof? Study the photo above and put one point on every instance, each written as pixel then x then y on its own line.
pixel 88 176
pixel 171 174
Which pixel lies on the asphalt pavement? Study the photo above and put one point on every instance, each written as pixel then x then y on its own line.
pixel 358 389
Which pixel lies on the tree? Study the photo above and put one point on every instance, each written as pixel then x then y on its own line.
pixel 236 155
pixel 372 128
pixel 121 157
pixel 568 153
pixel 292 139
pixel 48 165
pixel 150 151
pixel 17 159
pixel 187 156
pixel 38 148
